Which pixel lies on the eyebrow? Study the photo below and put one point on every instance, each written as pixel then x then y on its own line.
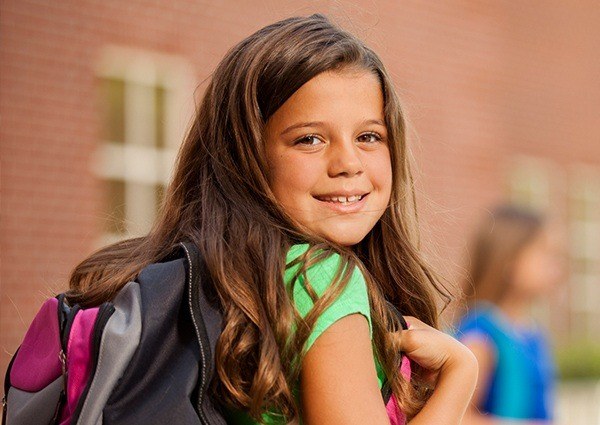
pixel 321 123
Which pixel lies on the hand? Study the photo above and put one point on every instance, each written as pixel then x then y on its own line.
pixel 434 350
pixel 449 365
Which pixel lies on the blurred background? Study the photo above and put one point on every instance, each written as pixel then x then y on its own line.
pixel 503 99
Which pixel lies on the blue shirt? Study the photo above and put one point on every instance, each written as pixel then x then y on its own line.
pixel 522 381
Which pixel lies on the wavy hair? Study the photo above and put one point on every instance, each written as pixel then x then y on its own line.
pixel 220 199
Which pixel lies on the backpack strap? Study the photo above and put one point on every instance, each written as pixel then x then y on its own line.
pixel 206 314
pixel 167 364
pixel 118 340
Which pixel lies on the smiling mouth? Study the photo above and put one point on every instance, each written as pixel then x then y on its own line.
pixel 342 200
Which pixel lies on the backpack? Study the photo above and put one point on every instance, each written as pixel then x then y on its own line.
pixel 145 357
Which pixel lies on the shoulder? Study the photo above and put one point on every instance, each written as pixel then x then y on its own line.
pixel 310 283
pixel 323 269
pixel 479 318
pixel 477 327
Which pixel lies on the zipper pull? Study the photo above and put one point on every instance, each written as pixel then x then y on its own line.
pixel 63 362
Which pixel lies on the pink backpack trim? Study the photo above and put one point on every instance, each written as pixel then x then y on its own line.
pixel 37 363
pixel 396 416
pixel 79 359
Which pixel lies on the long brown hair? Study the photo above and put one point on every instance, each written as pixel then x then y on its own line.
pixel 496 245
pixel 220 199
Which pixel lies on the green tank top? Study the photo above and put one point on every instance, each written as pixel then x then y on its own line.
pixel 353 299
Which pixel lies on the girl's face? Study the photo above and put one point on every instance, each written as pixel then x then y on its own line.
pixel 328 155
pixel 539 267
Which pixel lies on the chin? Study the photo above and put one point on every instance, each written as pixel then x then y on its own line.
pixel 344 238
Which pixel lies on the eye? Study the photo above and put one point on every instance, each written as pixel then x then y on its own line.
pixel 370 137
pixel 308 140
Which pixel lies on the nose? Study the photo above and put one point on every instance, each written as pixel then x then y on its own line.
pixel 345 159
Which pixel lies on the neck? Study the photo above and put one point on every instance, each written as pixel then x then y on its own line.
pixel 516 309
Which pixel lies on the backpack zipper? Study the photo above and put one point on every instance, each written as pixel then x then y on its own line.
pixel 66 317
pixel 202 353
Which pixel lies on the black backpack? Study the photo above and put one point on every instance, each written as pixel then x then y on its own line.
pixel 144 358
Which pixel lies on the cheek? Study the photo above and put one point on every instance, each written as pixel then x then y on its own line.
pixel 290 178
pixel 532 273
pixel 380 168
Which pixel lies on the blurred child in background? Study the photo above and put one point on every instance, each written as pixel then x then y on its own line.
pixel 513 262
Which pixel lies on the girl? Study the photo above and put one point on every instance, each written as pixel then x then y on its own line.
pixel 513 263
pixel 295 185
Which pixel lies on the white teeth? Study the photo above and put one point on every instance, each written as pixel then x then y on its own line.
pixel 343 199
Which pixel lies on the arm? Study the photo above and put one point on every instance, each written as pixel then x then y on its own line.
pixel 338 381
pixel 486 360
pixel 454 365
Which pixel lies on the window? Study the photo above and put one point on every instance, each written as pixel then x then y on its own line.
pixel 584 232
pixel 142 99
pixel 575 202
pixel 529 183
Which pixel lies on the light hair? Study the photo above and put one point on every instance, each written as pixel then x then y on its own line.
pixel 496 245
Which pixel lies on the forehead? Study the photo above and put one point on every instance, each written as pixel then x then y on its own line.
pixel 334 95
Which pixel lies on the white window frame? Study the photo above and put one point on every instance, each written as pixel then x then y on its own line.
pixel 135 163
pixel 585 244
pixel 530 182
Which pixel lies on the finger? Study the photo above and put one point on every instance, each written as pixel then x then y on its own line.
pixel 414 323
